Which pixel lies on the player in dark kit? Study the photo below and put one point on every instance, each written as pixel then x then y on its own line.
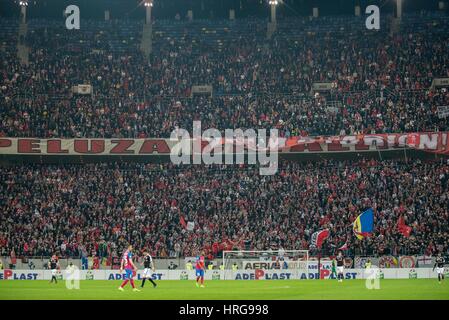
pixel 149 266
pixel 439 264
pixel 340 266
pixel 53 265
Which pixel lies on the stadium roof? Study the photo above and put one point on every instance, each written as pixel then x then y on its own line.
pixel 203 8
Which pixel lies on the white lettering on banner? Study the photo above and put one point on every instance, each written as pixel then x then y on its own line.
pixel 427 142
pixel 434 142
pixel 348 140
pixel 377 141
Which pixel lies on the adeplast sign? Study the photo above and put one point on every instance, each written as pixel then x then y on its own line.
pixel 9 274
pixel 120 276
pixel 260 274
pixel 327 274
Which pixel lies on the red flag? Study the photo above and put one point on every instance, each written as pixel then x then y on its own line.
pixel 319 237
pixel 183 222
pixel 403 228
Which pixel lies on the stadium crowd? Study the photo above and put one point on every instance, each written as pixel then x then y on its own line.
pixel 381 81
pixel 80 210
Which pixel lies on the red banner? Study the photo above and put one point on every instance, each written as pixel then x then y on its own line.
pixel 436 142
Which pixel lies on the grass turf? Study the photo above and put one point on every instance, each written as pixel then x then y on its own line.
pixel 413 289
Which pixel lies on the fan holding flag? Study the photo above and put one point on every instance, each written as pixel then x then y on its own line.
pixel 363 225
pixel 316 241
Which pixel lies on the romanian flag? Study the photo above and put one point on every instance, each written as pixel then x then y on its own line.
pixel 363 225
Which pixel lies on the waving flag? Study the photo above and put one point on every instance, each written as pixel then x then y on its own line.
pixel 183 222
pixel 403 228
pixel 364 224
pixel 318 238
pixel 344 247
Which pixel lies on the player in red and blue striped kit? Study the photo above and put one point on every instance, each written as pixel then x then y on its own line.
pixel 130 268
pixel 200 268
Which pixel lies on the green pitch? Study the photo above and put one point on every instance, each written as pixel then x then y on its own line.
pixel 232 290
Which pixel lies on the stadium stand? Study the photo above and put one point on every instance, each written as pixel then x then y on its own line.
pixel 100 207
pixel 382 84
pixel 382 81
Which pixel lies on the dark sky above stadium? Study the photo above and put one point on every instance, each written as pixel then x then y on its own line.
pixel 204 8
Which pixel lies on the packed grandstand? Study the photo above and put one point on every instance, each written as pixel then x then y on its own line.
pixel 382 82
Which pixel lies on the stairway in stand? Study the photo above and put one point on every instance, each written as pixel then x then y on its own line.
pixel 23 51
